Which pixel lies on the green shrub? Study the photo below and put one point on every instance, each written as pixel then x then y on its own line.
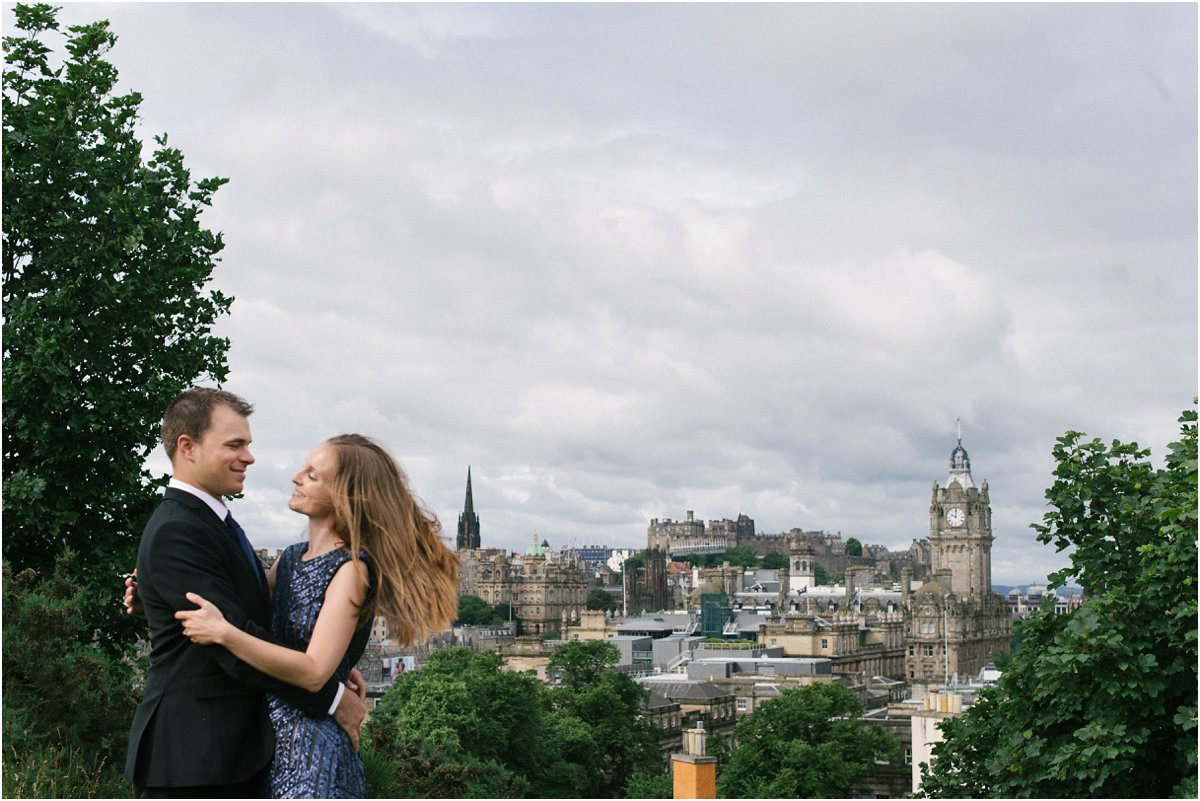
pixel 68 702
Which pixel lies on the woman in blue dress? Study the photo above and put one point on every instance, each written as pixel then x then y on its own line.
pixel 372 550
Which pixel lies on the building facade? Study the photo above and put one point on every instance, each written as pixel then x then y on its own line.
pixel 544 593
pixel 955 622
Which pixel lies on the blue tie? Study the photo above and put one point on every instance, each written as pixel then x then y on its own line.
pixel 245 543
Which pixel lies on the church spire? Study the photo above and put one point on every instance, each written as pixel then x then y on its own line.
pixel 468 521
pixel 469 508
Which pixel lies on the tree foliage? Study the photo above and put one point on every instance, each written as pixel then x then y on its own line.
pixel 774 561
pixel 611 704
pixel 67 701
pixel 461 708
pixel 601 601
pixel 1101 702
pixel 465 727
pixel 634 561
pixel 105 316
pixel 853 547
pixel 474 611
pixel 807 743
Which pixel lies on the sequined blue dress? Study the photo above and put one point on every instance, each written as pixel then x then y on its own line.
pixel 313 758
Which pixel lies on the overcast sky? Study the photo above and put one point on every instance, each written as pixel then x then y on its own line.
pixel 628 261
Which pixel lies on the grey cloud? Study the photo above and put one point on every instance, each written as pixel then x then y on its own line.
pixel 628 261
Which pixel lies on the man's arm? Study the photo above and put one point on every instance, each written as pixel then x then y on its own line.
pixel 178 561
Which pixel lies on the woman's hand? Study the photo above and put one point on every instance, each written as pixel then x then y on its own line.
pixel 203 626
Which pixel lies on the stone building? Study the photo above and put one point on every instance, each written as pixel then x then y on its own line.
pixel 700 701
pixel 542 591
pixel 679 537
pixel 646 587
pixel 956 623
pixel 1022 604
pixel 469 563
pixel 860 629
pixel 664 716
pixel 734 532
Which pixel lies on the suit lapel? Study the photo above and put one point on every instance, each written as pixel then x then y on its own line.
pixel 235 558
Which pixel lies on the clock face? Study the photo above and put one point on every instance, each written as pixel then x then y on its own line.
pixel 955 517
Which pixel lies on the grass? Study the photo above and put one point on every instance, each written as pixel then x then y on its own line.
pixel 52 771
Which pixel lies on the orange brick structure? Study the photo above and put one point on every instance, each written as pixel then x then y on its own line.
pixel 694 776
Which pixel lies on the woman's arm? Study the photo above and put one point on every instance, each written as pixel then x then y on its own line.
pixel 308 669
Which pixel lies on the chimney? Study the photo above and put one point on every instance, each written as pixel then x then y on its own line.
pixel 694 774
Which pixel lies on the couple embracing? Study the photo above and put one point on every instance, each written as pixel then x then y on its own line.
pixel 251 690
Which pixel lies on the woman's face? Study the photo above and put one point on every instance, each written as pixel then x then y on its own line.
pixel 314 483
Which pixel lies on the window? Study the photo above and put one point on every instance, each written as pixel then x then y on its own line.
pixel 927 650
pixel 907 756
pixel 824 644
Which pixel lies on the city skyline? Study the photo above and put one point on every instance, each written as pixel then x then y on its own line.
pixel 626 261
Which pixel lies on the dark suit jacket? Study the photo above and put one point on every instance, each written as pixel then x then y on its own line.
pixel 203 719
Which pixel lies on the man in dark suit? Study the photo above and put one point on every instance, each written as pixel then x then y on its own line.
pixel 202 729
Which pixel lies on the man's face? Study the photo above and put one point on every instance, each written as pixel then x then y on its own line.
pixel 217 461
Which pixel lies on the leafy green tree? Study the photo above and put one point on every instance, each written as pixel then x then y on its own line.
pixel 571 763
pixel 462 710
pixel 611 705
pixel 105 314
pixel 741 555
pixel 807 743
pixel 474 611
pixel 106 319
pixel 774 561
pixel 599 600
pixel 820 574
pixel 635 561
pixel 503 613
pixel 853 547
pixel 579 663
pixel 1100 703
pixel 651 783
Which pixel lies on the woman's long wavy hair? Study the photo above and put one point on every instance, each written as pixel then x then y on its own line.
pixel 416 575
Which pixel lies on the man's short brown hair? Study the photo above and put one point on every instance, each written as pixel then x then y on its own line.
pixel 191 414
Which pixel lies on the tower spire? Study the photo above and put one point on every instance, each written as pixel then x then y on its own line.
pixel 468 521
pixel 470 505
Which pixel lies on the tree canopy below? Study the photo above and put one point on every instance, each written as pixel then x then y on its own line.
pixel 464 727
pixel 1099 703
pixel 807 743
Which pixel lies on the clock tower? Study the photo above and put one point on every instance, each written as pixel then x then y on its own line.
pixel 960 529
pixel 954 623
